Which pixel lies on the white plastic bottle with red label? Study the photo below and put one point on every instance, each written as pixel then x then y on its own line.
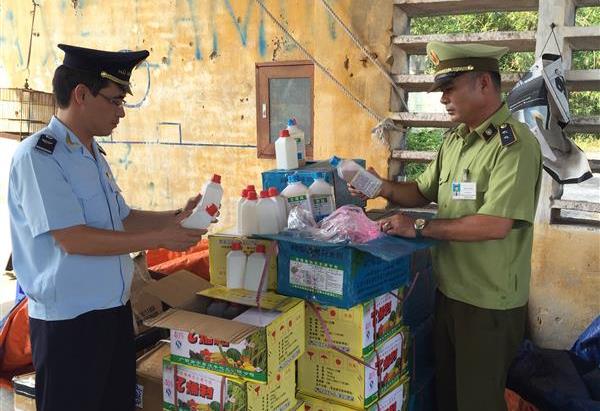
pixel 212 192
pixel 201 219
pixel 266 211
pixel 236 266
pixel 254 269
pixel 286 151
pixel 249 220
pixel 281 207
pixel 322 197
pixel 295 194
pixel 357 176
pixel 298 135
pixel 239 210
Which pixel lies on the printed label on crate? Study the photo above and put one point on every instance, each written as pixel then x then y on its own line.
pixel 390 363
pixel 322 205
pixel 316 276
pixel 241 359
pixel 387 315
pixel 198 390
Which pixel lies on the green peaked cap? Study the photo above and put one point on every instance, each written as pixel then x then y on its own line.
pixel 452 60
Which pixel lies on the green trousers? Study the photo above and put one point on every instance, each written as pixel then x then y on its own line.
pixel 473 351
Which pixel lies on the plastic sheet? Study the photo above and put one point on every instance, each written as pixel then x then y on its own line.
pixel 348 223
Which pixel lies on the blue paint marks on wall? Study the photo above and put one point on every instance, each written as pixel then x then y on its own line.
pixel 215 45
pixel 262 40
pixel 124 161
pixel 63 6
pixel 243 29
pixel 331 24
pixel 10 16
pixel 85 34
pixel 192 7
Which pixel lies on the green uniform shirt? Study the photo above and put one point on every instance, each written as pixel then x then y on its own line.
pixel 490 274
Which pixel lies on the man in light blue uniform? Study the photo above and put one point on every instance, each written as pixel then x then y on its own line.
pixel 72 232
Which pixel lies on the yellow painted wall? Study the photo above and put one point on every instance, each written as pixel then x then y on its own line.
pixel 565 283
pixel 201 74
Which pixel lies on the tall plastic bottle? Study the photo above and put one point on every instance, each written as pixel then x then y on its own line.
pixel 249 220
pixel 254 269
pixel 322 197
pixel 298 135
pixel 201 219
pixel 295 194
pixel 236 266
pixel 266 210
pixel 212 192
pixel 239 210
pixel 286 151
pixel 281 207
pixel 357 176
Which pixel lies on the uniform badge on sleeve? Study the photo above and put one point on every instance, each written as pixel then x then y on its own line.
pixel 46 143
pixel 507 135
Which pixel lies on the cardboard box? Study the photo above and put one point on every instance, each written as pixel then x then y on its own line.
pixel 219 245
pixel 255 352
pixel 357 330
pixel 193 388
pixel 149 368
pixel 278 179
pixel 330 375
pixel 396 400
pixel 143 305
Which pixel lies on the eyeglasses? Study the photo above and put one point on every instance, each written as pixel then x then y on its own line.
pixel 117 101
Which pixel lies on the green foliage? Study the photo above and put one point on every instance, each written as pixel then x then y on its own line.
pixel 421 139
pixel 587 16
pixel 475 23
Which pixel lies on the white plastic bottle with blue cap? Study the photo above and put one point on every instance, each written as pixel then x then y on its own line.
pixel 357 176
pixel 298 135
pixel 296 194
pixel 322 197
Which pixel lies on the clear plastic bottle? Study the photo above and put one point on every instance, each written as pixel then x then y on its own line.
pixel 357 176
pixel 266 210
pixel 200 219
pixel 298 135
pixel 295 194
pixel 254 269
pixel 236 266
pixel 281 207
pixel 212 192
pixel 249 224
pixel 322 197
pixel 285 151
pixel 239 210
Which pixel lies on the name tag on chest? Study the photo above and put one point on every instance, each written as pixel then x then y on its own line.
pixel 464 190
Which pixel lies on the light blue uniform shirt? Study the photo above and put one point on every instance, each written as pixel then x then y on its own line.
pixel 50 191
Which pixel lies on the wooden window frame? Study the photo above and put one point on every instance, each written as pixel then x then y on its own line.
pixel 280 69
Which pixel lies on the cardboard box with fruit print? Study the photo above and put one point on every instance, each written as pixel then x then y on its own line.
pixel 357 330
pixel 396 400
pixel 254 346
pixel 193 389
pixel 331 375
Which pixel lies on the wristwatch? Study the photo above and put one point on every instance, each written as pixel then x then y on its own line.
pixel 419 225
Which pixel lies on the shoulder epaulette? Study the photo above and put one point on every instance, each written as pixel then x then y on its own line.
pixel 507 135
pixel 46 143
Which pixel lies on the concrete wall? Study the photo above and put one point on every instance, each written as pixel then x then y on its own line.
pixel 201 75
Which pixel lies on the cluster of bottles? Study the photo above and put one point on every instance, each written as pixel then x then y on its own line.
pixel 264 214
pixel 290 147
pixel 318 198
pixel 246 271
pixel 204 213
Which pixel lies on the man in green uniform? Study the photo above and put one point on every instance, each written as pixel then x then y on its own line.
pixel 485 181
